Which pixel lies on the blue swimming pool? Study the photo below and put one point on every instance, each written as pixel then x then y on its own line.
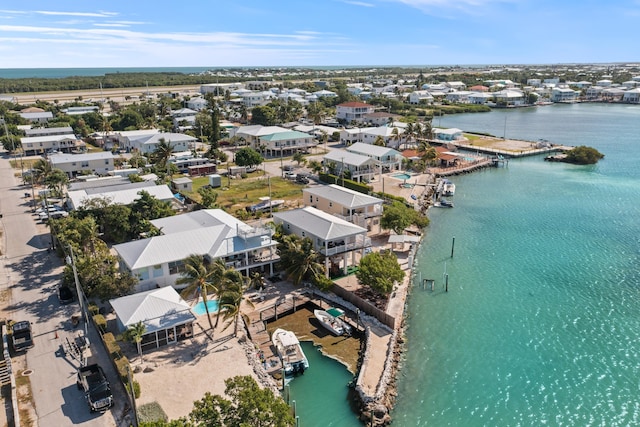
pixel 404 176
pixel 199 309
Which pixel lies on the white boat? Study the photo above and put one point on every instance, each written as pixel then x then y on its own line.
pixel 443 203
pixel 331 319
pixel 293 359
pixel 265 204
pixel 449 188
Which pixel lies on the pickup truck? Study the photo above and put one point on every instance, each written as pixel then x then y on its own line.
pixel 21 336
pixel 96 387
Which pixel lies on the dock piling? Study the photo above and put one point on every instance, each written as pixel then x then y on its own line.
pixel 453 244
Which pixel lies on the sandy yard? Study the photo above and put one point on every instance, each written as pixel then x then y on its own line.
pixel 183 373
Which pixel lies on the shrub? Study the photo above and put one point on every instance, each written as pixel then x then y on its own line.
pixel 136 388
pixel 112 346
pixel 93 309
pixel 100 322
pixel 151 412
pixel 122 365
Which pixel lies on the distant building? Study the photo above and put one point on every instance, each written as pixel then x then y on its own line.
pixel 100 163
pixel 353 111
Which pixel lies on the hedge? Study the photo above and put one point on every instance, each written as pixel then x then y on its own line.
pixel 347 183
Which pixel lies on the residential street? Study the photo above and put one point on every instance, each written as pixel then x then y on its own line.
pixel 31 275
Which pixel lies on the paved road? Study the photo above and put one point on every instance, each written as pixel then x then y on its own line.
pixel 32 275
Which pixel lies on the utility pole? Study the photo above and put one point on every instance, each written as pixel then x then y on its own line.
pixel 71 260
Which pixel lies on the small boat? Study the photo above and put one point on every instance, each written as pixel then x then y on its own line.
pixel 265 204
pixel 449 188
pixel 443 203
pixel 331 320
pixel 293 358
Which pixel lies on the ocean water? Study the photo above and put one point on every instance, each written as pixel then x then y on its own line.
pixel 54 73
pixel 541 323
pixel 322 393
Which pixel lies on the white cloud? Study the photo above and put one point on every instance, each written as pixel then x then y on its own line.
pixel 101 14
pixel 358 3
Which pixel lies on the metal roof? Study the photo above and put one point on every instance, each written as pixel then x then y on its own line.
pixel 125 197
pixel 343 196
pixel 59 158
pixel 373 150
pixel 348 158
pixel 318 223
pixel 158 309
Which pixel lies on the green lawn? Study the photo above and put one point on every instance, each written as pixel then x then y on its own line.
pixel 239 193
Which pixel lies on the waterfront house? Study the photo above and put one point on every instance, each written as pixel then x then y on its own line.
pixel 460 97
pixel 509 97
pixel 159 261
pixel 385 157
pixel 612 94
pixel 563 94
pixel 451 134
pixel 360 168
pixel 353 111
pixel 100 163
pixel 604 83
pixel 118 194
pixel 632 96
pixel 350 205
pixel 333 237
pixel 480 98
pixel 594 92
pixel 166 316
pixel 420 97
pixel 380 118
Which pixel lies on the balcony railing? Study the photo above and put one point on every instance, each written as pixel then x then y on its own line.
pixel 359 243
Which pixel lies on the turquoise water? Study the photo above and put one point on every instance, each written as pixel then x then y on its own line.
pixel 321 394
pixel 199 308
pixel 541 324
pixel 404 176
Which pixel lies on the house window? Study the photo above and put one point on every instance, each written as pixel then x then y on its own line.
pixel 143 274
pixel 106 162
pixel 288 227
pixel 330 204
pixel 303 235
pixel 310 199
pixel 176 267
pixel 157 271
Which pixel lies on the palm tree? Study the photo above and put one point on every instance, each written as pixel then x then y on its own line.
pixel 135 333
pixel 301 259
pixel 199 274
pixel 56 180
pixel 41 169
pixel 233 297
pixel 163 153
pixel 409 134
pixel 256 280
pixel 379 141
pixel 396 136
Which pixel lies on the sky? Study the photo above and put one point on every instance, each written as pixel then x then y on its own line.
pixel 245 33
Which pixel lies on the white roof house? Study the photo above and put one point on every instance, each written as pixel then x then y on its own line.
pixel 166 316
pixel 38 117
pixel 385 156
pixel 100 163
pixel 33 145
pixel 450 134
pixel 147 143
pixel 80 198
pixel 332 236
pixel 213 233
pixel 61 130
pixel 632 96
pixel 361 168
pixel 350 205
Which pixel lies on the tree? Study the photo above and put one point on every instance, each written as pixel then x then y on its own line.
pixel 41 169
pixel 298 157
pixel 315 166
pixel 163 152
pixel 248 405
pixel 232 298
pixel 398 216
pixel 299 257
pixel 56 180
pixel 134 334
pixel 264 115
pixel 379 141
pixel 208 197
pixel 247 156
pixel 379 271
pixel 198 275
pixel 583 155
pixel 214 135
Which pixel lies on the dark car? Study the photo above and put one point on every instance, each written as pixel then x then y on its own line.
pixel 302 179
pixel 65 295
pixel 21 336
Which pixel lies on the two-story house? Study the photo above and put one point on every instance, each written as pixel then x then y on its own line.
pixel 386 158
pixel 360 168
pixel 353 111
pixel 333 237
pixel 100 163
pixel 350 205
pixel 159 261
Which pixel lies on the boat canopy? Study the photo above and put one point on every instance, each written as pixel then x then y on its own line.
pixel 288 338
pixel 335 312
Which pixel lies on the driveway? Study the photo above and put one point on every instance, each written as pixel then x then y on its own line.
pixel 30 275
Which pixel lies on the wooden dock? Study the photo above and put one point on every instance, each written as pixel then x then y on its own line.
pixel 257 326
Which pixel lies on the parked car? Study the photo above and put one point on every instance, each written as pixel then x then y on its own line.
pixel 290 175
pixel 65 294
pixel 96 387
pixel 21 335
pixel 302 179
